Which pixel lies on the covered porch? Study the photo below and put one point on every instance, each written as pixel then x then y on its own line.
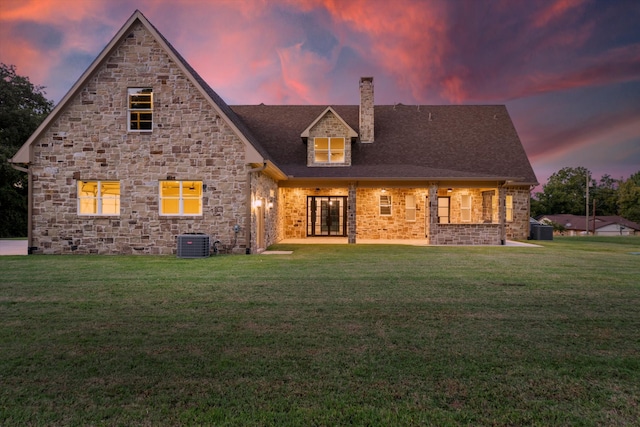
pixel 416 213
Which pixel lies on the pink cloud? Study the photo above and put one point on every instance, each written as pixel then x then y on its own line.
pixel 615 66
pixel 555 11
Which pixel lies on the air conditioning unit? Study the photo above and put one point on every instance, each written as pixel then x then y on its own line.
pixel 193 245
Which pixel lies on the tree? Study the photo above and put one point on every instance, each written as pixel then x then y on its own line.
pixel 564 193
pixel 23 106
pixel 606 196
pixel 629 198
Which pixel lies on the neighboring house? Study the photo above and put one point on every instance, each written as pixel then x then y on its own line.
pixel 142 150
pixel 605 225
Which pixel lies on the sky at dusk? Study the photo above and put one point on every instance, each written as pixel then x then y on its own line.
pixel 567 70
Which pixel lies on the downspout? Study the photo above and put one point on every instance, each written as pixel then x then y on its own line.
pixel 247 226
pixel 29 203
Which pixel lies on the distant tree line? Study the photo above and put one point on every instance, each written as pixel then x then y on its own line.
pixel 565 193
pixel 23 107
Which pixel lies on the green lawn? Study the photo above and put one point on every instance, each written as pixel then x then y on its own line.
pixel 331 335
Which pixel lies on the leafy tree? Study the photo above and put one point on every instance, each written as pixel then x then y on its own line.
pixel 629 198
pixel 23 106
pixel 606 196
pixel 564 193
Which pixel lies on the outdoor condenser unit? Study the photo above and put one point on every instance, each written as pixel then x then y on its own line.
pixel 193 246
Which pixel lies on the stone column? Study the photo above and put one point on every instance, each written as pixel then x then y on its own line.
pixel 502 213
pixel 351 213
pixel 432 230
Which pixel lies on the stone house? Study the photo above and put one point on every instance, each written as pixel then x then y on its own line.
pixel 142 150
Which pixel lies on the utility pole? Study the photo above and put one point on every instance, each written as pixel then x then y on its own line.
pixel 594 217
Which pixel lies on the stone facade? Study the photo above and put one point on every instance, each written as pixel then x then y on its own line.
pixel 366 110
pixel 467 234
pixel 329 126
pixel 264 230
pixel 294 208
pixel 89 141
pixel 518 229
pixel 372 225
pixel 369 224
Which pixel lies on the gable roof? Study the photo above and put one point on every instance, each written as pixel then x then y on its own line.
pixel 460 142
pixel 352 133
pixel 577 222
pixel 255 152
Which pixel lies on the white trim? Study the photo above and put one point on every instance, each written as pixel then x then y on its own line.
pixel 98 198
pixel 180 199
pixel 385 204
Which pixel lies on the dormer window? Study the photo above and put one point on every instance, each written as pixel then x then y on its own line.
pixel 329 150
pixel 140 109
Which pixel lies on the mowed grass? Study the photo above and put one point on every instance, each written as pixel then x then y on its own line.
pixel 330 335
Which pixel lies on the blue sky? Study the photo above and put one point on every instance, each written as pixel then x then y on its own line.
pixel 567 70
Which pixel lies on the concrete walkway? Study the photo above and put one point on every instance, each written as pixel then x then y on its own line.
pixel 13 247
pixel 410 242
pixel 19 247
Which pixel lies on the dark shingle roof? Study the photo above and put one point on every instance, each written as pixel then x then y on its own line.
pixel 411 142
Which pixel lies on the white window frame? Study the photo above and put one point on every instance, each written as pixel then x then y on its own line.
pixel 180 198
pixel 410 207
pixel 329 152
pixel 465 208
pixel 509 208
pixel 133 91
pixel 444 209
pixel 385 205
pixel 99 200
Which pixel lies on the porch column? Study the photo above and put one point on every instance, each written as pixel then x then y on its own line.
pixel 351 213
pixel 432 231
pixel 502 213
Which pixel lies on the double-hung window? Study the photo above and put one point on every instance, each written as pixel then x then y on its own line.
pixel 444 213
pixel 329 150
pixel 465 208
pixel 410 207
pixel 181 198
pixel 98 197
pixel 385 205
pixel 140 106
pixel 509 208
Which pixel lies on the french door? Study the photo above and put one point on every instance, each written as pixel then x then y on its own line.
pixel 326 216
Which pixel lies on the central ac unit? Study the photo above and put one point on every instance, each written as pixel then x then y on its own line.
pixel 193 246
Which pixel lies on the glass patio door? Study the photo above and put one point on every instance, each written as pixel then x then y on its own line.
pixel 326 216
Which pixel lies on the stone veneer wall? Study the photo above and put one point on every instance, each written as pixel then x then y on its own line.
pixel 366 119
pixel 266 189
pixel 294 208
pixel 89 141
pixel 371 225
pixel 518 229
pixel 329 126
pixel 467 234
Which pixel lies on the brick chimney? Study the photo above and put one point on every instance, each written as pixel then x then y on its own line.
pixel 366 109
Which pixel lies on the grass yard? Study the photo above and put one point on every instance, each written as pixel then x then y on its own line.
pixel 330 335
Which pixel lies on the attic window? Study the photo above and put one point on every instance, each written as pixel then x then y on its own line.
pixel 328 150
pixel 140 117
